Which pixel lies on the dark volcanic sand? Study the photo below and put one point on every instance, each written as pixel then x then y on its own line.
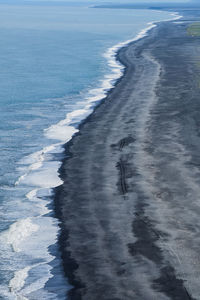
pixel 130 203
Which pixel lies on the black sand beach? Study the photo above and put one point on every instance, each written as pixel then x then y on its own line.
pixel 130 203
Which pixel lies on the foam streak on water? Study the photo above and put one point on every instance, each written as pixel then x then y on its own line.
pixel 32 235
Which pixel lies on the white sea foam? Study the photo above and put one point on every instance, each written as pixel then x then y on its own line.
pixel 46 177
pixel 18 281
pixel 61 131
pixel 42 174
pixel 41 205
pixel 32 195
pixel 18 232
pixel 37 285
pixel 22 240
pixel 35 161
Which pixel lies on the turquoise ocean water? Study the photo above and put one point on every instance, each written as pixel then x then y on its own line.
pixel 54 67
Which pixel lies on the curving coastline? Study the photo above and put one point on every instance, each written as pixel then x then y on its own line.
pixel 130 178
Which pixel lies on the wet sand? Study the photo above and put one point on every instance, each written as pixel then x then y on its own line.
pixel 130 203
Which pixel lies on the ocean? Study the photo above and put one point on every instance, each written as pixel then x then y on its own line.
pixel 56 63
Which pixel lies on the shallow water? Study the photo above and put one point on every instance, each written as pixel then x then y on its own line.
pixel 52 72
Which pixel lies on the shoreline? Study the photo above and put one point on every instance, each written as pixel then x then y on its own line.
pixel 40 190
pixel 108 83
pixel 70 264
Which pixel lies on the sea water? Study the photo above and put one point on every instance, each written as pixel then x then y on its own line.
pixel 56 63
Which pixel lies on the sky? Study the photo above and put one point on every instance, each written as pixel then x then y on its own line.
pixel 134 1
pixel 124 1
pixel 138 1
pixel 117 1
